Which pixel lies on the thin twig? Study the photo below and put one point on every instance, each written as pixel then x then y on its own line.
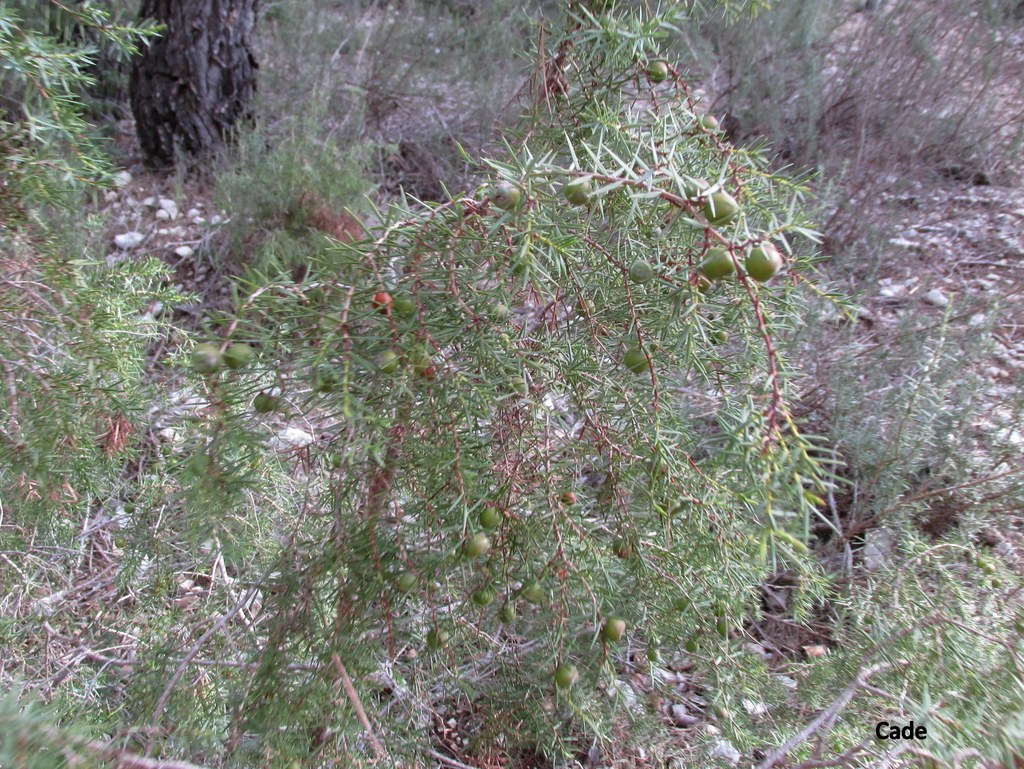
pixel 106 751
pixel 448 760
pixel 826 717
pixel 845 759
pixel 926 495
pixel 353 697
pixel 191 654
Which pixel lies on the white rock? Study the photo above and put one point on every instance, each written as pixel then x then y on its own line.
pixel 935 298
pixel 168 205
pixel 193 213
pixel 122 179
pixel 110 196
pixel 216 219
pixel 622 689
pixel 978 319
pixel 757 650
pixel 668 676
pixel 291 438
pixel 178 232
pixel 725 751
pixel 183 251
pixel 162 215
pixel 198 220
pixel 789 683
pixel 162 231
pixel 994 372
pixel 902 243
pixel 878 546
pixel 892 291
pixel 680 717
pixel 754 709
pixel 149 202
pixel 128 240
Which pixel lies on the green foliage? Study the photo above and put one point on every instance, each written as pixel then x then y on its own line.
pixel 416 79
pixel 76 332
pixel 297 542
pixel 77 329
pixel 287 199
pixel 697 460
pixel 927 571
pixel 46 145
pixel 910 90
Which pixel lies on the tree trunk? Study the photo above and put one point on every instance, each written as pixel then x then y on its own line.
pixel 193 84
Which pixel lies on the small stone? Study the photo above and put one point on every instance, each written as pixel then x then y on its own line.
pixel 291 438
pixel 725 751
pixel 680 717
pixel 757 650
pixel 892 291
pixel 994 372
pixel 216 219
pixel 183 251
pixel 978 319
pixel 110 196
pixel 622 689
pixel 162 231
pixel 162 215
pixel 168 205
pixel 193 213
pixel 789 683
pixel 128 240
pixel 935 298
pixel 878 548
pixel 149 202
pixel 902 243
pixel 122 179
pixel 754 709
pixel 198 220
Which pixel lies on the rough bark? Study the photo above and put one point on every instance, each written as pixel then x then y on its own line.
pixel 193 84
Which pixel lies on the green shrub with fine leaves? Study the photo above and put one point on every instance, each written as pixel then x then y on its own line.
pixel 535 414
pixel 503 463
